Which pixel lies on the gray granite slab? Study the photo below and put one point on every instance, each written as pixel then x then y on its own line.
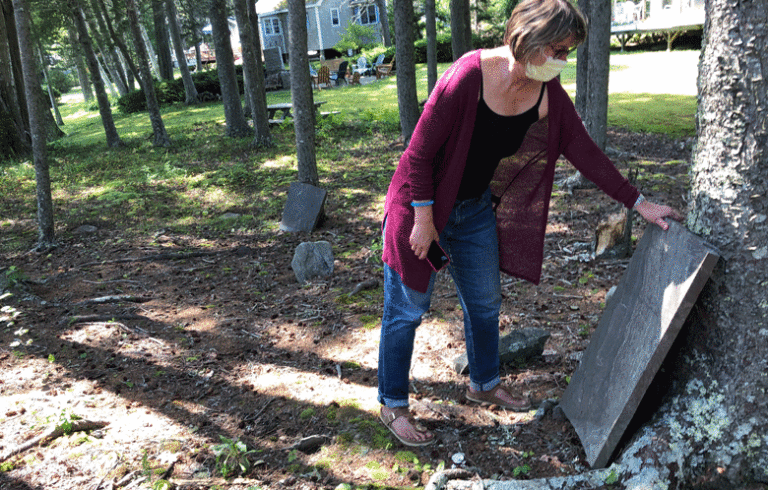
pixel 518 346
pixel 303 208
pixel 665 276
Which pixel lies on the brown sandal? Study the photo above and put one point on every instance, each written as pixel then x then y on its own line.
pixel 388 416
pixel 491 397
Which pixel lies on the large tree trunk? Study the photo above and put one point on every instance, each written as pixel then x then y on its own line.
pixel 113 139
pixel 158 127
pixel 461 32
pixel 237 126
pixel 407 99
pixel 431 25
pixel 162 40
pixel 190 91
pixel 301 93
pixel 37 124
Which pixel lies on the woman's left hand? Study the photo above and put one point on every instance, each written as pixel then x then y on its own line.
pixel 655 213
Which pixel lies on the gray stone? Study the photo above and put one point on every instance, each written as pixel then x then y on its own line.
pixel 303 208
pixel 660 286
pixel 518 346
pixel 312 260
pixel 86 229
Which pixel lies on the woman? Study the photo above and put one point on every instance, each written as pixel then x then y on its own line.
pixel 477 178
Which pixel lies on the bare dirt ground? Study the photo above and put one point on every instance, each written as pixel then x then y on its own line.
pixel 175 341
pixel 204 336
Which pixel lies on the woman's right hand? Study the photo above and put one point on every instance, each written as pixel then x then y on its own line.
pixel 424 232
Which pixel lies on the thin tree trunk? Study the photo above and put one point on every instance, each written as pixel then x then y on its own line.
pixel 113 139
pixel 162 40
pixel 106 46
pixel 190 92
pixel 51 96
pixel 461 35
pixel 431 25
pixel 407 100
pixel 301 93
pixel 237 126
pixel 158 127
pixel 596 118
pixel 151 51
pixel 245 11
pixel 12 74
pixel 384 22
pixel 46 237
pixel 82 71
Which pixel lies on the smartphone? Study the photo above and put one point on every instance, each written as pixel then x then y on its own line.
pixel 437 257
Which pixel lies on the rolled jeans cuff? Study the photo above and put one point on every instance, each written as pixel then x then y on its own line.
pixel 392 403
pixel 489 385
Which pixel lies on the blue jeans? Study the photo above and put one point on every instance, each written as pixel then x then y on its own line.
pixel 471 242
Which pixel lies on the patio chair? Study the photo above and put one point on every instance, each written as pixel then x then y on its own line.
pixel 385 69
pixel 362 68
pixel 341 74
pixel 323 77
pixel 379 60
pixel 313 75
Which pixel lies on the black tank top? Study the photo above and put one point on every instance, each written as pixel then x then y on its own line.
pixel 494 137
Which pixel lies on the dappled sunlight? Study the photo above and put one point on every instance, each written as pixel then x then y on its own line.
pixel 317 389
pixel 285 162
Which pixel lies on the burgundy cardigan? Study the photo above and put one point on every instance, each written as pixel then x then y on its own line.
pixel 433 165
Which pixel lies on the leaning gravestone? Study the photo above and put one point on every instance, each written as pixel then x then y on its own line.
pixel 660 286
pixel 312 260
pixel 303 208
pixel 272 61
pixel 518 346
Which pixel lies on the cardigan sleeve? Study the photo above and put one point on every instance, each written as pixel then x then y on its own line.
pixel 440 118
pixel 584 154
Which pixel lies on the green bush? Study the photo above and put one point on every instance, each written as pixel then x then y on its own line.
pixel 172 91
pixel 61 81
pixel 444 49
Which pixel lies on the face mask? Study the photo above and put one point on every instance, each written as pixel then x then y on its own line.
pixel 546 72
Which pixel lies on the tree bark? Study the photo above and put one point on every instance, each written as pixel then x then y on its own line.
pixel 97 22
pixel 113 139
pixel 158 127
pixel 407 99
pixel 599 60
pixel 162 40
pixel 461 32
pixel 301 93
pixel 253 71
pixel 82 71
pixel 11 75
pixel 46 238
pixel 190 91
pixel 384 22
pixel 431 27
pixel 237 126
pixel 582 68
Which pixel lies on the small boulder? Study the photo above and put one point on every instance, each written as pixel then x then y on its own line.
pixel 312 260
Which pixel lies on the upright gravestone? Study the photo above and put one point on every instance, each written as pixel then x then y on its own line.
pixel 660 286
pixel 303 208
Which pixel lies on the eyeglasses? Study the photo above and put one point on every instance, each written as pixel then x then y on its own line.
pixel 562 52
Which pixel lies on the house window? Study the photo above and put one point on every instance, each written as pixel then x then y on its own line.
pixel 366 15
pixel 335 20
pixel 272 26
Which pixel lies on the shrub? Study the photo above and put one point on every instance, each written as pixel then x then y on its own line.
pixel 172 91
pixel 61 81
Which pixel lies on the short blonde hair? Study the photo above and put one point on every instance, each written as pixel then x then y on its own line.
pixel 536 24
